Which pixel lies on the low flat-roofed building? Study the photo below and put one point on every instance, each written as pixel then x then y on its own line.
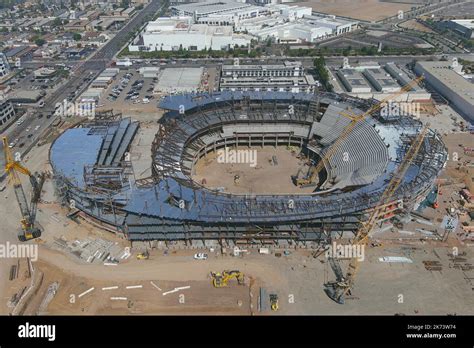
pixel 464 27
pixel 206 8
pixel 26 96
pixel 44 73
pixel 450 84
pixel 149 71
pixel 286 77
pixel 381 80
pixel 178 80
pixel 175 33
pixel 294 84
pixel 354 81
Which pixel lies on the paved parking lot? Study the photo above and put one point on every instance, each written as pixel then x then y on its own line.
pixel 143 101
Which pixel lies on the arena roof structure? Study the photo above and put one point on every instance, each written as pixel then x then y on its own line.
pixel 170 205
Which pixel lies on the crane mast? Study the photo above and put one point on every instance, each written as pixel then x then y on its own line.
pixel 338 289
pixel 27 210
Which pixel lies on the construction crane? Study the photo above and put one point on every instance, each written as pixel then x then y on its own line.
pixel 314 170
pixel 28 211
pixel 220 280
pixel 338 289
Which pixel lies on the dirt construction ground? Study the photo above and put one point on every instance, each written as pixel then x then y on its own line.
pixel 260 177
pixel 297 278
pixel 368 10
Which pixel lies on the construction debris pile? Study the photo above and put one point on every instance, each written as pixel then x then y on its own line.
pixel 95 251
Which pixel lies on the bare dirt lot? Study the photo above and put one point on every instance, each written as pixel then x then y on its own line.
pixel 263 178
pixel 368 10
pixel 414 25
pixel 297 279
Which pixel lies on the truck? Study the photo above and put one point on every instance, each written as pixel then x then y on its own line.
pixel 265 251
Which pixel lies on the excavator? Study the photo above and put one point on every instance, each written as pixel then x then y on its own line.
pixel 315 169
pixel 28 210
pixel 143 256
pixel 220 280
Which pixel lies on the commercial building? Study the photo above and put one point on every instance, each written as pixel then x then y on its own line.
pixel 105 78
pixel 287 77
pixel 353 81
pixel 295 25
pixel 450 84
pixel 372 80
pixel 178 80
pixel 464 27
pixel 6 113
pixel 217 7
pixel 4 65
pixel 175 33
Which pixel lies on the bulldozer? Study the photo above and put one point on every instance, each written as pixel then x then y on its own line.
pixel 274 302
pixel 220 280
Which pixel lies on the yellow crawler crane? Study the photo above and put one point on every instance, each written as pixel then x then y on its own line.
pixel 28 211
pixel 314 170
pixel 220 280
pixel 337 290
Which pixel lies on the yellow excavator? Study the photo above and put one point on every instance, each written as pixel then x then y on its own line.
pixel 220 280
pixel 143 256
pixel 28 211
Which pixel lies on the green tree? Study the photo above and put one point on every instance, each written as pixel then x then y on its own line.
pixel 77 37
pixel 40 42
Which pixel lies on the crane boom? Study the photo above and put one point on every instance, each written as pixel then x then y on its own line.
pixel 337 290
pixel 28 211
pixel 314 170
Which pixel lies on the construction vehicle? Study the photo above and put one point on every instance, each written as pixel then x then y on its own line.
pixel 143 256
pixel 343 285
pixel 220 280
pixel 274 302
pixel 28 210
pixel 314 170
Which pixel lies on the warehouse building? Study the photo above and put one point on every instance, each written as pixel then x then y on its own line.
pixel 217 7
pixel 464 27
pixel 450 84
pixel 372 80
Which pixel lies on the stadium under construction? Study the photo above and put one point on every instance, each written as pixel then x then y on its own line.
pixel 94 176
